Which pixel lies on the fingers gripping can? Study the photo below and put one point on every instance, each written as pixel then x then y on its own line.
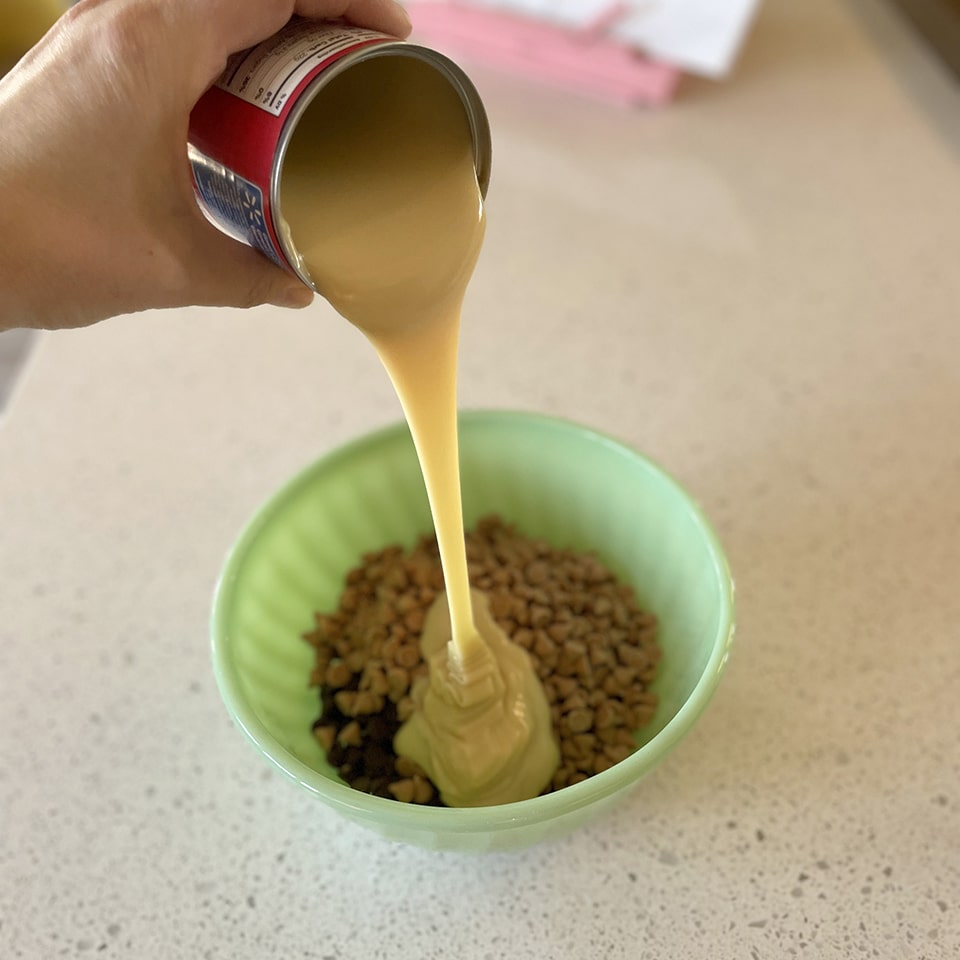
pixel 241 127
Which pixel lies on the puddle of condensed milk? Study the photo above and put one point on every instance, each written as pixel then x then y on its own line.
pixel 380 194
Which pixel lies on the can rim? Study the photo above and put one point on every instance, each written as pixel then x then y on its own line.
pixel 469 97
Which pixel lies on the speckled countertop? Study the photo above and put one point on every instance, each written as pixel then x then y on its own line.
pixel 759 286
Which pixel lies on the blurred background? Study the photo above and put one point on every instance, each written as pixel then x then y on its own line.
pixel 920 39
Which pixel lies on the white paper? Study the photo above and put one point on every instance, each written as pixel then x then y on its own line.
pixel 577 14
pixel 699 36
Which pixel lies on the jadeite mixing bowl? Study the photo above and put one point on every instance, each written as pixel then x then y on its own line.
pixel 556 480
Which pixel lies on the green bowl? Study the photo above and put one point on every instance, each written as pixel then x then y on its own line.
pixel 558 481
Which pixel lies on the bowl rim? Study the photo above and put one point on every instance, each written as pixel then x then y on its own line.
pixel 465 820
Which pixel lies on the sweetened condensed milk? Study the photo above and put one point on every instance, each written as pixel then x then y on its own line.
pixel 379 191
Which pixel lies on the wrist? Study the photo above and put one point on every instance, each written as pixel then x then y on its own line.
pixel 25 301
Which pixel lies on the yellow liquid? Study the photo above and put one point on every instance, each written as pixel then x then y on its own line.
pixel 380 195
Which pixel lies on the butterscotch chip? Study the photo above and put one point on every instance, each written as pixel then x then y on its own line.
pixel 539 597
pixel 601 762
pixel 405 603
pixel 600 654
pixel 590 643
pixel 474 550
pixel 637 695
pixel 601 606
pixel 338 674
pixel 600 675
pixel 609 713
pixel 579 720
pixel 350 599
pixel 389 615
pixel 398 683
pixel 356 660
pixel 422 577
pixel 367 702
pixel 616 752
pixel 540 615
pixel 317 637
pixel 390 649
pixel 585 743
pixel 575 701
pixel 586 763
pixel 631 656
pixel 543 646
pixel 608 736
pixel 594 572
pixel 325 736
pixel 610 686
pixel 346 701
pixel 524 637
pixel 420 670
pixel 408 655
pixel 579 602
pixel 422 789
pixel 572 656
pixel 500 605
pixel 406 767
pixel 350 736
pixel 597 694
pixel 536 572
pixel 627 734
pixel 624 676
pixel 521 612
pixel 565 686
pixel 403 790
pixel 380 683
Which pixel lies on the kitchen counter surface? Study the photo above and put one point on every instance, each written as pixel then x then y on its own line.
pixel 758 286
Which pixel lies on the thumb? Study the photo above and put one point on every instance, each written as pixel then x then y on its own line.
pixel 235 275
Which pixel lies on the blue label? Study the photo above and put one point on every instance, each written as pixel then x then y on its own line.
pixel 235 205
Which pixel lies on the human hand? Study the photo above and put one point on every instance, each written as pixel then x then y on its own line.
pixel 98 215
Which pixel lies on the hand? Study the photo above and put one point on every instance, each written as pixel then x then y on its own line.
pixel 98 215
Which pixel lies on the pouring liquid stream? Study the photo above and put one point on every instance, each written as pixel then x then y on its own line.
pixel 380 194
pixel 398 193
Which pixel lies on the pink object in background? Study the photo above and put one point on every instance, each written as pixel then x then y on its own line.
pixel 581 60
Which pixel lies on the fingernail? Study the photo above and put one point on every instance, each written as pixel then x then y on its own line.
pixel 406 16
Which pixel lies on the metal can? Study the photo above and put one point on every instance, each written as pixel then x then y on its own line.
pixel 240 128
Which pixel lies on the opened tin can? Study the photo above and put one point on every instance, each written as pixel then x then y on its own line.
pixel 240 128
